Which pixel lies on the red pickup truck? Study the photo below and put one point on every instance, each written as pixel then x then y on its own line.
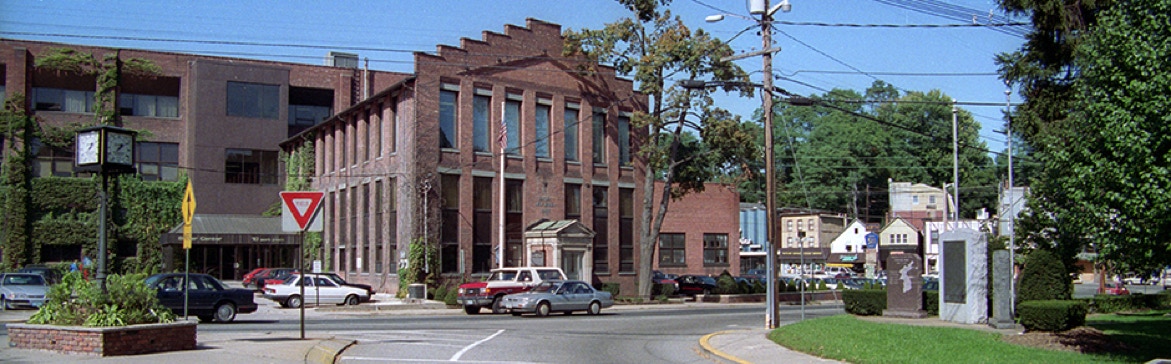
pixel 488 293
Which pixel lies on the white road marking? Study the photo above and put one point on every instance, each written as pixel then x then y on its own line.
pixel 469 347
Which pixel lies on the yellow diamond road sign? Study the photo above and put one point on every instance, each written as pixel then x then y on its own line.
pixel 188 214
pixel 188 204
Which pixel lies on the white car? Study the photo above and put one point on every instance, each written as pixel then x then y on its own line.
pixel 319 289
pixel 22 290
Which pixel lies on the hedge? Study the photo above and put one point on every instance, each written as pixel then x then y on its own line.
pixel 1135 302
pixel 864 302
pixel 869 302
pixel 1052 315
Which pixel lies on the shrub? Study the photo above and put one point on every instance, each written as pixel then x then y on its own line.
pixel 1052 315
pixel 667 290
pixel 725 284
pixel 864 302
pixel 451 298
pixel 821 286
pixel 613 288
pixel 1136 302
pixel 1044 277
pixel 438 293
pixel 931 302
pixel 743 287
pixel 758 287
pixel 867 302
pixel 78 302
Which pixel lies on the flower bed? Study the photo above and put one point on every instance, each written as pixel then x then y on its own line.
pixel 105 341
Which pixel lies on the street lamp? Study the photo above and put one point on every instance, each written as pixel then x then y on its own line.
pixel 107 150
pixel 761 7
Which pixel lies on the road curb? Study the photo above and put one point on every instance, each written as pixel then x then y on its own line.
pixel 327 351
pixel 704 342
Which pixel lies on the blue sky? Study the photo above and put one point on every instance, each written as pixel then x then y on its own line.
pixel 955 60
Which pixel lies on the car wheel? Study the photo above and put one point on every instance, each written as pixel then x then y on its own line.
pixel 543 309
pixel 471 310
pixel 3 304
pixel 294 301
pixel 595 308
pixel 497 306
pixel 225 312
pixel 352 300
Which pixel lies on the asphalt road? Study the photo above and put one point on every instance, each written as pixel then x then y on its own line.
pixel 642 335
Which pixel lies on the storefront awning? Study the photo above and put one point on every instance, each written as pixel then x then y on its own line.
pixel 211 229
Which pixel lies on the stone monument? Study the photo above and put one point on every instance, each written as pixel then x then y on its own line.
pixel 904 287
pixel 963 275
pixel 1002 315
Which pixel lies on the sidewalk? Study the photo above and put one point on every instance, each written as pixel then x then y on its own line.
pixel 753 346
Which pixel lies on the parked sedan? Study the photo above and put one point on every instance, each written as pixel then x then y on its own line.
pixel 691 285
pixel 558 296
pixel 22 290
pixel 207 297
pixel 264 277
pixel 339 280
pixel 319 289
pixel 249 280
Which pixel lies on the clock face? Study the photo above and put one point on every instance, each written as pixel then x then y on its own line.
pixel 119 149
pixel 87 148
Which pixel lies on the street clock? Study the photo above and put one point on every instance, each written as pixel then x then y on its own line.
pixel 105 149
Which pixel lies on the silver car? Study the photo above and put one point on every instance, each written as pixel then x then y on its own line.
pixel 558 296
pixel 22 290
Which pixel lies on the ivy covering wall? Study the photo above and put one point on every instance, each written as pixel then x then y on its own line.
pixel 63 212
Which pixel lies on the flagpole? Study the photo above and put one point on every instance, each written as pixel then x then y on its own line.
pixel 503 155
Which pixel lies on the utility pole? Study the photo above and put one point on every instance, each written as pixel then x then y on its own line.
pixel 770 180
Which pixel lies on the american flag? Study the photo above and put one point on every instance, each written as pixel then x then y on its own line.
pixel 503 134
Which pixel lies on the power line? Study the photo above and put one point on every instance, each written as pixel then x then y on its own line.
pixel 911 74
pixel 920 26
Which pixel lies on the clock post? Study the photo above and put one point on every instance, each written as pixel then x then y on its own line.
pixel 105 150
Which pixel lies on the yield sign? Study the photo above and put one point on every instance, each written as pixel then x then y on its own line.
pixel 301 208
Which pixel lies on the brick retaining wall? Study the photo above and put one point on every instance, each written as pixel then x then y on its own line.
pixel 104 341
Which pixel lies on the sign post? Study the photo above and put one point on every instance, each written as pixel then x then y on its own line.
pixel 299 214
pixel 188 215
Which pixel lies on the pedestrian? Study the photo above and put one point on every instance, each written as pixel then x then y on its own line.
pixel 86 265
pixel 73 267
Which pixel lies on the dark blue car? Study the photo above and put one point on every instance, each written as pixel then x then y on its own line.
pixel 207 297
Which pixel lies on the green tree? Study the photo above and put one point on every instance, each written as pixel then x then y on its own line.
pixel 1044 69
pixel 1109 185
pixel 654 48
pixel 836 148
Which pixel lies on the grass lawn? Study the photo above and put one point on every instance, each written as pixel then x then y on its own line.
pixel 1148 334
pixel 846 338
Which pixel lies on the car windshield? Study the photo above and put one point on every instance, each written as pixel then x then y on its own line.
pixel 23 280
pixel 546 287
pixel 504 275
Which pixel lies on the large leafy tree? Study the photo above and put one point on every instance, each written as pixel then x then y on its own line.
pixel 1109 185
pixel 1044 69
pixel 847 142
pixel 656 48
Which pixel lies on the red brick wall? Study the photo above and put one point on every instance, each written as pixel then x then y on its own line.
pixel 714 211
pixel 104 341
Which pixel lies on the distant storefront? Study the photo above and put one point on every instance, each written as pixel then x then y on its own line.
pixel 228 246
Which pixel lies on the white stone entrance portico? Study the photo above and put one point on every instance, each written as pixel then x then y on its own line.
pixel 566 244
